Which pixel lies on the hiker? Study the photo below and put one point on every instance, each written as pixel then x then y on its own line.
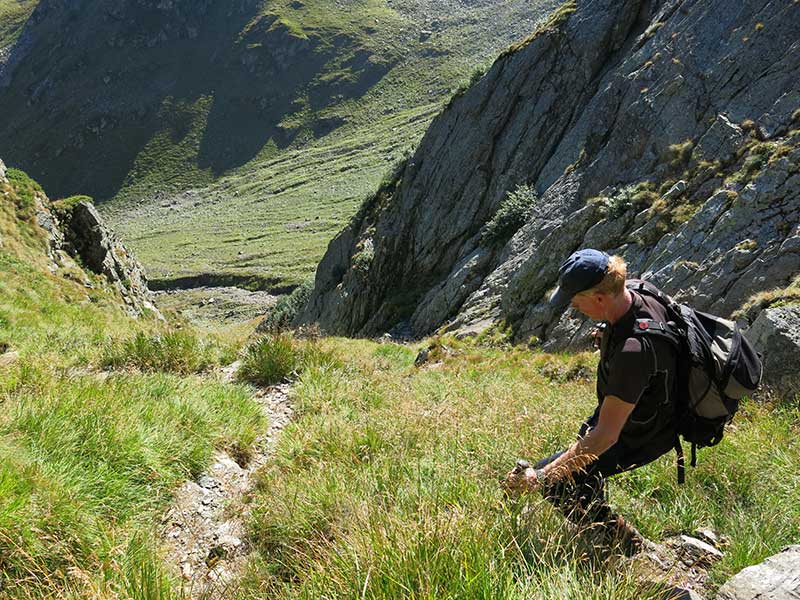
pixel 634 422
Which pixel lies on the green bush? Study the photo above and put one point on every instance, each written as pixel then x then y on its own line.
pixel 512 214
pixel 631 198
pixel 269 360
pixel 287 308
pixel 277 358
pixel 175 352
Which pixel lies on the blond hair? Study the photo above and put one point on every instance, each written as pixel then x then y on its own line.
pixel 614 280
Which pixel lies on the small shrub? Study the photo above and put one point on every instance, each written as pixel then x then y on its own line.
pixel 269 360
pixel 513 212
pixel 175 352
pixel 678 155
pixel 287 308
pixel 630 198
pixel 362 260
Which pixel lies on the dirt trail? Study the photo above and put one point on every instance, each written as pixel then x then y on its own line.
pixel 204 530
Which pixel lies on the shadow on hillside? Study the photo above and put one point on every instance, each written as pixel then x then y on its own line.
pixel 207 84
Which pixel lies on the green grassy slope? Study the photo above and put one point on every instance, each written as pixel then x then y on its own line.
pixel 269 226
pixel 89 459
pixel 386 484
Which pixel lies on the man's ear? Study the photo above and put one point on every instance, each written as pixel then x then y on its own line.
pixel 600 299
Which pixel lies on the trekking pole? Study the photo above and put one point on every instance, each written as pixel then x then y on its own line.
pixel 521 466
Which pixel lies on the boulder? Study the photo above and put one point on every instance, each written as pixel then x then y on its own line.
pixel 692 551
pixel 776 334
pixel 777 578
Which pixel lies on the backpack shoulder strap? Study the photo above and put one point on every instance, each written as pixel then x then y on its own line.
pixel 650 327
pixel 648 289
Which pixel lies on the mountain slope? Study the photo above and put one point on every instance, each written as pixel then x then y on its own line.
pixel 301 107
pixel 89 458
pixel 589 122
pixel 137 93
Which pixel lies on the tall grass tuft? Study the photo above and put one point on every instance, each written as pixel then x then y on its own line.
pixel 273 359
pixel 269 360
pixel 178 351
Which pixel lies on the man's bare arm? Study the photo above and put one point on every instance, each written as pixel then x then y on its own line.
pixel 614 414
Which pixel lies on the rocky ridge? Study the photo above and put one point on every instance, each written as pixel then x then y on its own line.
pixel 664 131
pixel 77 242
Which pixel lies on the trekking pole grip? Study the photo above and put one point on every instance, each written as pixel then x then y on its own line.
pixel 521 466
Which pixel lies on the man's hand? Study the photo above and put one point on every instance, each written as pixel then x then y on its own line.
pixel 518 482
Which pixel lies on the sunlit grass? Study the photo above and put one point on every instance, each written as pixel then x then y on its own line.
pixel 386 483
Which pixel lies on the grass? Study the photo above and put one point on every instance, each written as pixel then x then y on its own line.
pixel 13 14
pixel 279 358
pixel 178 351
pixel 89 460
pixel 789 295
pixel 386 483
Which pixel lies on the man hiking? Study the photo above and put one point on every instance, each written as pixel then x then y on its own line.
pixel 634 422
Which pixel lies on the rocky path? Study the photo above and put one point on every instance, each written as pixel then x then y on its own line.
pixel 204 530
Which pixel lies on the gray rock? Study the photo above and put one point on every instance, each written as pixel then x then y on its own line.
pixel 721 140
pixel 776 333
pixel 675 191
pixel 3 178
pixel 86 238
pixel 777 578
pixel 596 104
pixel 692 551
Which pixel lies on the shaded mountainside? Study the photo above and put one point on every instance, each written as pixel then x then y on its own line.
pixel 140 95
pixel 666 131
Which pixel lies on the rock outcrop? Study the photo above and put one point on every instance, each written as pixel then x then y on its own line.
pixel 78 242
pixel 99 250
pixel 776 334
pixel 664 131
pixel 777 578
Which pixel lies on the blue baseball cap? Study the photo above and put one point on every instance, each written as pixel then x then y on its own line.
pixel 583 269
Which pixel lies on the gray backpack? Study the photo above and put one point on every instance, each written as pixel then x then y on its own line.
pixel 717 367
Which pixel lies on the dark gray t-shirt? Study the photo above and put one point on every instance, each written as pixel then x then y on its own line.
pixel 639 370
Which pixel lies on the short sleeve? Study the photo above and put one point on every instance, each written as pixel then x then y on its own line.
pixel 629 371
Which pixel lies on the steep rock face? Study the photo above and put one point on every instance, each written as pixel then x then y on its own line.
pixel 78 242
pixel 663 131
pixel 99 249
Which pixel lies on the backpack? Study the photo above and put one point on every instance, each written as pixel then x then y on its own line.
pixel 716 367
